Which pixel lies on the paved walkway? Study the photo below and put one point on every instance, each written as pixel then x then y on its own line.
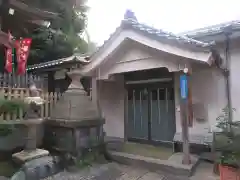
pixel 204 171
pixel 113 171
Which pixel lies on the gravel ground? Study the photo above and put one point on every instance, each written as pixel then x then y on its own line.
pixel 112 171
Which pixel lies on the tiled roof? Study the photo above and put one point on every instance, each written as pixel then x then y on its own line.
pixel 212 30
pixel 130 21
pixel 77 58
pixel 160 34
pixel 35 11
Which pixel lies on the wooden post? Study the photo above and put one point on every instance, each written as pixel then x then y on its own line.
pixel 184 118
pixel 185 133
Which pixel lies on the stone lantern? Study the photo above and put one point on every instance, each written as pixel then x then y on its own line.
pixel 32 121
pixel 75 123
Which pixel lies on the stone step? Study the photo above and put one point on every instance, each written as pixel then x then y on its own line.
pixel 166 166
pixel 114 144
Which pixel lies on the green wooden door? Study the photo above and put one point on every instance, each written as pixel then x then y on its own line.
pixel 137 113
pixel 151 113
pixel 162 114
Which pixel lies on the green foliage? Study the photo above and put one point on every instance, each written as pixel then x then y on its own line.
pixel 229 138
pixel 89 157
pixel 11 106
pixel 62 38
pixel 7 168
pixel 92 47
pixel 6 129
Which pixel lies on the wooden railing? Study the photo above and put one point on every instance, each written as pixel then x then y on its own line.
pixel 19 93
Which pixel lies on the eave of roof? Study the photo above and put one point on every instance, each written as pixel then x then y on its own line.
pixel 212 30
pixel 35 11
pixel 75 58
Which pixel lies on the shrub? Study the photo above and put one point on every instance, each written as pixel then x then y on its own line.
pixel 10 106
pixel 228 142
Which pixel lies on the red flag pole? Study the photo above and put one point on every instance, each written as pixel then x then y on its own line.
pixel 18 44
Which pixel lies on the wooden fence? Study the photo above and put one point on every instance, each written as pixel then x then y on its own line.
pixel 19 93
pixel 19 81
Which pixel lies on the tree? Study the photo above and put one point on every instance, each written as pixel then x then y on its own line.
pixel 62 38
pixel 91 46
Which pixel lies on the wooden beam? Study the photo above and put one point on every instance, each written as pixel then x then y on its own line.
pixel 190 105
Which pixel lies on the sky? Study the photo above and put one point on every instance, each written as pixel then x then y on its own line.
pixel 171 15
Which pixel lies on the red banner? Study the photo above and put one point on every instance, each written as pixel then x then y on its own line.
pixel 8 55
pixel 23 48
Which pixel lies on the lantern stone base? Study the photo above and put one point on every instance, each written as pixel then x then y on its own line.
pixel 75 124
pixel 24 156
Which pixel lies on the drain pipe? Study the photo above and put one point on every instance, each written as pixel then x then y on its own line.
pixel 226 72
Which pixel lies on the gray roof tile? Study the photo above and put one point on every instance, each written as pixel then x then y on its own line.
pixel 212 30
pixel 159 34
pixel 77 58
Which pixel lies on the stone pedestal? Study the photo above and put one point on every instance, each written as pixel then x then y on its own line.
pixel 27 155
pixel 30 152
pixel 75 123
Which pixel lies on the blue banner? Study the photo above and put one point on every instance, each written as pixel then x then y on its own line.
pixel 184 86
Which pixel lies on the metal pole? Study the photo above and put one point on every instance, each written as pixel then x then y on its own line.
pixel 227 77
